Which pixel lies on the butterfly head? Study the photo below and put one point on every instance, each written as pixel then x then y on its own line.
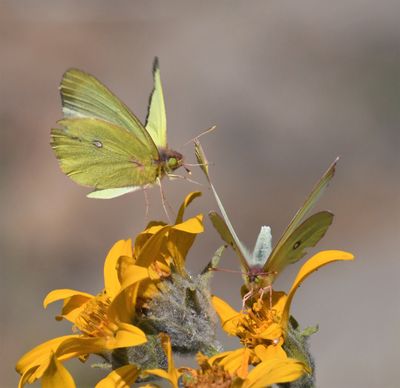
pixel 171 159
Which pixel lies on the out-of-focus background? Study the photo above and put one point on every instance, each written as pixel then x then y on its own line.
pixel 290 85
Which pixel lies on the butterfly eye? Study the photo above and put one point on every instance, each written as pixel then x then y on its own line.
pixel 296 244
pixel 172 162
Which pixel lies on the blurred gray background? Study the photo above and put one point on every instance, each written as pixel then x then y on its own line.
pixel 290 85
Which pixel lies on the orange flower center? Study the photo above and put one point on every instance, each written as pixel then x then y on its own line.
pixel 254 323
pixel 213 376
pixel 94 320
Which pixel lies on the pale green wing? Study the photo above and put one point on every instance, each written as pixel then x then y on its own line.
pixel 113 193
pixel 222 225
pixel 229 236
pixel 315 194
pixel 294 248
pixel 83 96
pixel 101 155
pixel 156 121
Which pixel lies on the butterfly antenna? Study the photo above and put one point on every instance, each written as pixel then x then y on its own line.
pixel 175 176
pixel 201 134
pixel 197 165
pixel 228 270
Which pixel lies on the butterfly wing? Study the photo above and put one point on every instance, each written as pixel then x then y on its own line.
pixel 112 193
pixel 315 194
pixel 222 224
pixel 230 238
pixel 156 121
pixel 83 96
pixel 263 247
pixel 102 155
pixel 294 248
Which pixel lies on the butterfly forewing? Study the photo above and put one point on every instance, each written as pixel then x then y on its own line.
pixel 315 194
pixel 156 121
pixel 294 248
pixel 83 95
pixel 226 234
pixel 102 155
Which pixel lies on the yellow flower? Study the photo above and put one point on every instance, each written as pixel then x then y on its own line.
pixel 262 329
pixel 41 361
pixel 126 375
pixel 214 372
pixel 103 321
pixel 171 300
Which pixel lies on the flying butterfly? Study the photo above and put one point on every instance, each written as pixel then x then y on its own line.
pixel 103 145
pixel 263 265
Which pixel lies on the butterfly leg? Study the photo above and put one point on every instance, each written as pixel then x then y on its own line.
pixel 246 297
pixel 147 203
pixel 164 201
pixel 262 291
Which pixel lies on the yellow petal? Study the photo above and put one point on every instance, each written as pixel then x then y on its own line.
pixel 142 237
pixel 311 265
pixel 126 335
pixel 57 376
pixel 162 374
pixel 151 250
pixel 133 274
pixel 80 346
pixel 243 371
pixel 29 376
pixel 173 374
pixel 122 377
pixel 192 225
pixel 265 353
pixel 73 302
pixel 122 307
pixel 272 332
pixel 273 372
pixel 181 238
pixel 189 198
pixel 227 315
pixel 111 282
pixel 40 354
pixel 166 345
pixel 231 361
pixel 129 335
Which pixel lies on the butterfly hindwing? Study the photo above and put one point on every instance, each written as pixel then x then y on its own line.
pixel 263 247
pixel 99 154
pixel 112 193
pixel 295 246
pixel 156 121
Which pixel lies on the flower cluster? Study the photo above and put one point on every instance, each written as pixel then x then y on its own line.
pixel 151 308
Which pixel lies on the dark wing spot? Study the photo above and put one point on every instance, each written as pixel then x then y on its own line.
pixel 296 244
pixel 97 143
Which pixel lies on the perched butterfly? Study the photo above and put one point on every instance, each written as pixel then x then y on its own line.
pixel 262 266
pixel 102 144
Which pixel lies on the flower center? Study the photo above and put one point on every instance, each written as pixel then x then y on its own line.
pixel 213 376
pixel 255 324
pixel 94 320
